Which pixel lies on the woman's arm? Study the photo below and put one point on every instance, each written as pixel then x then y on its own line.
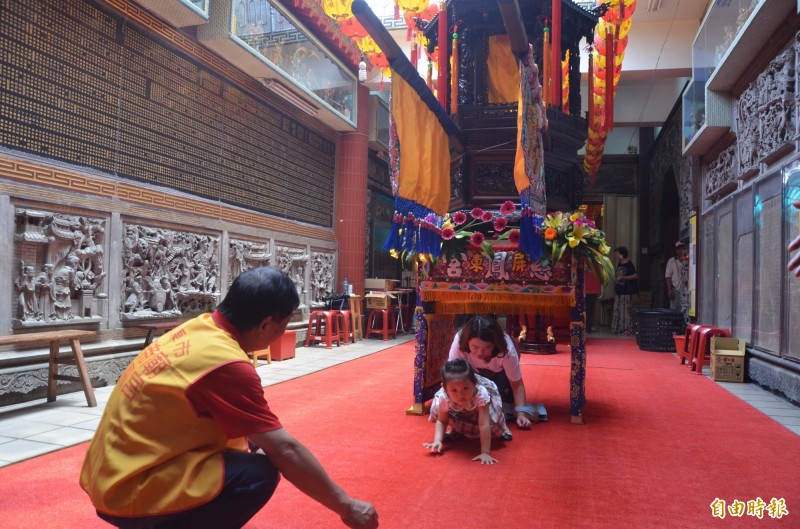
pixel 485 429
pixel 518 389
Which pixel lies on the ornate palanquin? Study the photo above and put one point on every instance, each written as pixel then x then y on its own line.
pixel 507 284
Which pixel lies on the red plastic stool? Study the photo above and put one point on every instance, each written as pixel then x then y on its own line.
pixel 703 352
pixel 346 326
pixel 381 322
pixel 691 342
pixel 323 326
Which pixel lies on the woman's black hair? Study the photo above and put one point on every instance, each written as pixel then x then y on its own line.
pixel 458 369
pixel 622 251
pixel 256 294
pixel 487 329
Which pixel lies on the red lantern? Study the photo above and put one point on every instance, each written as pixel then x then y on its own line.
pixel 353 29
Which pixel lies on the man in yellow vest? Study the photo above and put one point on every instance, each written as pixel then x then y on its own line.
pixel 171 449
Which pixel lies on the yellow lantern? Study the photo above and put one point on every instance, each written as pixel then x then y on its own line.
pixel 338 9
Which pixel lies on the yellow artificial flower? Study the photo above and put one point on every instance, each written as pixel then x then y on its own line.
pixel 553 220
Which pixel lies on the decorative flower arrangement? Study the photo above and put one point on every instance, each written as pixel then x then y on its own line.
pixel 577 235
pixel 459 229
pixel 561 233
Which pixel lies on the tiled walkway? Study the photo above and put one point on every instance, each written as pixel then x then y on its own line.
pixel 32 429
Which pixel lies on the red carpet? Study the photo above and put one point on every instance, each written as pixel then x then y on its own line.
pixel 659 445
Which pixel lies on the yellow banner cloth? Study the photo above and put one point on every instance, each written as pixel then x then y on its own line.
pixel 503 72
pixel 425 151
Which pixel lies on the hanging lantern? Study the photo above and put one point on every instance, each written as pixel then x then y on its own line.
pixel 338 9
pixel 353 29
pixel 367 45
pixel 411 9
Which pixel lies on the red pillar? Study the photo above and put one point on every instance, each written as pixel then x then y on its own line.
pixel 555 63
pixel 350 215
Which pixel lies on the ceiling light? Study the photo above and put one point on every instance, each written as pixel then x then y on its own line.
pixel 281 90
pixel 653 5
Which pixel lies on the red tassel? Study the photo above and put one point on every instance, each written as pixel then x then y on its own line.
pixel 555 64
pixel 380 88
pixel 591 88
pixel 441 81
pixel 396 10
pixel 608 123
pixel 414 54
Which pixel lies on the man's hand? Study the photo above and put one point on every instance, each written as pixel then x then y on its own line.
pixel 361 515
pixel 522 420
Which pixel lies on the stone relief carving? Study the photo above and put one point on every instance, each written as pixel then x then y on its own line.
pixel 294 263
pixel 666 157
pixel 60 268
pixel 747 131
pixel 776 97
pixel 685 194
pixel 323 283
pixel 796 84
pixel 765 120
pixel 720 174
pixel 244 255
pixel 168 273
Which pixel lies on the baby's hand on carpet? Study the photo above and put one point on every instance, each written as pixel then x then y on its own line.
pixel 435 446
pixel 485 459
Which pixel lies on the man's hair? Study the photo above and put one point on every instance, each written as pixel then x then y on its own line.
pixel 256 294
pixel 622 251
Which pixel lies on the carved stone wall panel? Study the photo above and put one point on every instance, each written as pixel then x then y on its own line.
pixel 323 280
pixel 293 261
pixel 720 177
pixel 244 255
pixel 168 273
pixel 796 84
pixel 58 268
pixel 765 115
pixel 776 91
pixel 667 159
pixel 21 386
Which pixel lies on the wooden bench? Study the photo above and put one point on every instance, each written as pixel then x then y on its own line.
pixel 153 326
pixel 55 338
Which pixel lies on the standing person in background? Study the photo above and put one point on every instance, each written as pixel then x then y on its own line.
pixel 675 278
pixel 171 450
pixel 592 288
pixel 626 285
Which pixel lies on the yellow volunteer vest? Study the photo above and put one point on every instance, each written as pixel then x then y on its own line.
pixel 151 453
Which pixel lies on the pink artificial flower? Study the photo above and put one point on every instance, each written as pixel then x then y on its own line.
pixel 476 213
pixel 477 238
pixel 500 224
pixel 513 236
pixel 448 233
pixel 508 208
pixel 487 216
pixel 459 218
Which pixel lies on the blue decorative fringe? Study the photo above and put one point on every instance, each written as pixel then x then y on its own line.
pixel 530 237
pixel 415 229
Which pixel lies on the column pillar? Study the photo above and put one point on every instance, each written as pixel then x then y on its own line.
pixel 350 215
